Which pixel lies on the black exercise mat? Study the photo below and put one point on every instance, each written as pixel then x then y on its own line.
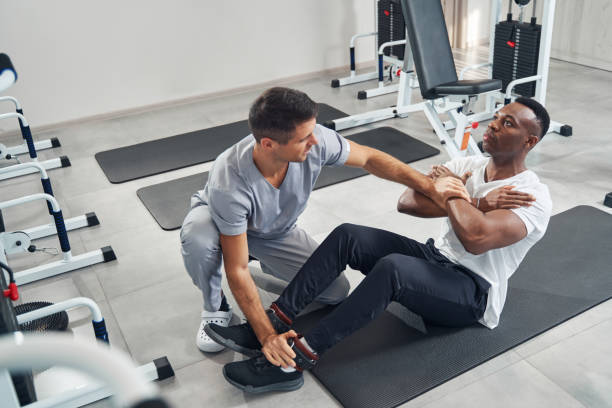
pixel 169 202
pixel 388 362
pixel 175 152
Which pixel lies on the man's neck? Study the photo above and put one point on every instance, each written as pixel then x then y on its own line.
pixel 500 168
pixel 271 168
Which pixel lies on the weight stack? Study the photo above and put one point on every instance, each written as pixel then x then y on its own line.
pixel 518 61
pixel 391 27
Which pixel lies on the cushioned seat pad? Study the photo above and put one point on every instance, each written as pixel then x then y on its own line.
pixel 468 87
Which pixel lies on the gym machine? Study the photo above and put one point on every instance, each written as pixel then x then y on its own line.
pixel 8 76
pixel 519 55
pixel 115 373
pixel 446 93
pixel 19 241
pixel 87 220
pixel 19 388
pixel 391 39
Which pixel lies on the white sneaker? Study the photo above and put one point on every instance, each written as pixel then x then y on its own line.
pixel 204 342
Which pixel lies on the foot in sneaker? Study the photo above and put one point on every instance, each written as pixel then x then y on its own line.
pixel 257 375
pixel 242 338
pixel 220 318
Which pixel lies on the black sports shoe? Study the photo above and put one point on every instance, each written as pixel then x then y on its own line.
pixel 257 375
pixel 241 337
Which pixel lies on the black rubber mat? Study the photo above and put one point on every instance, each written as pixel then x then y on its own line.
pixel 169 202
pixel 389 362
pixel 175 152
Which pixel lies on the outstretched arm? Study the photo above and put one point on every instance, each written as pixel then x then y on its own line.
pixel 388 167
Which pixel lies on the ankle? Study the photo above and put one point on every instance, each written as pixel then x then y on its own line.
pixel 305 357
pixel 225 307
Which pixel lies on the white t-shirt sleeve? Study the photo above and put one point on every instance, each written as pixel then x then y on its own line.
pixel 335 149
pixel 229 211
pixel 536 216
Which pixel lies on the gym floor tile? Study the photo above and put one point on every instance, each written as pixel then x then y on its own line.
pixel 139 266
pixel 581 365
pixel 519 385
pixel 161 320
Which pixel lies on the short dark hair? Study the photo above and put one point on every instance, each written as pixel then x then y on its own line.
pixel 277 112
pixel 540 112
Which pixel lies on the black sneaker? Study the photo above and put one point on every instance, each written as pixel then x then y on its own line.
pixel 241 337
pixel 257 375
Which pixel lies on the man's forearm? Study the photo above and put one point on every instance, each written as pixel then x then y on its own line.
pixel 388 167
pixel 245 292
pixel 417 204
pixel 468 223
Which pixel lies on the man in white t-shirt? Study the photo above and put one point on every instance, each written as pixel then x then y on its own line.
pixel 456 281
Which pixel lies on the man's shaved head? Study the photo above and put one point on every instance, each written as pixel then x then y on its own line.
pixel 541 115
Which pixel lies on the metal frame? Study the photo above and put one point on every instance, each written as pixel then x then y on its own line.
pixel 28 146
pixel 381 71
pixel 13 242
pixel 114 373
pixel 99 325
pixel 42 231
pixel 23 148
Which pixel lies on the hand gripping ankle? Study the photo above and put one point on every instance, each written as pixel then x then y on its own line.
pixel 304 358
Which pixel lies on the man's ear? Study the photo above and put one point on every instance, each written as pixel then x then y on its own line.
pixel 267 143
pixel 532 140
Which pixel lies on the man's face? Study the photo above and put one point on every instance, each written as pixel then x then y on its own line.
pixel 296 150
pixel 511 131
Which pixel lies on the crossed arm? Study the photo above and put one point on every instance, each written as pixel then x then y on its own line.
pixel 480 225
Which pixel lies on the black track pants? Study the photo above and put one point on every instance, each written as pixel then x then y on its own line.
pixel 397 269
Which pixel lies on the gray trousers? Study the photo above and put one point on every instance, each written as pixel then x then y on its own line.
pixel 281 257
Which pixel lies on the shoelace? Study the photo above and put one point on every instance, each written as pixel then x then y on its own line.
pixel 260 363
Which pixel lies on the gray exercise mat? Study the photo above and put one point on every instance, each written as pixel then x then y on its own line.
pixel 168 202
pixel 389 362
pixel 175 152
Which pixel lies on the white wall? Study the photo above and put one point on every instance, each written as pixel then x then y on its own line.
pixel 79 58
pixel 478 22
pixel 583 33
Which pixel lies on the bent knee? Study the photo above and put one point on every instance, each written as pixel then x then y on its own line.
pixel 346 229
pixel 199 234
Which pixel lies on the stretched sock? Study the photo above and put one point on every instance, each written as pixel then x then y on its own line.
pixel 305 343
